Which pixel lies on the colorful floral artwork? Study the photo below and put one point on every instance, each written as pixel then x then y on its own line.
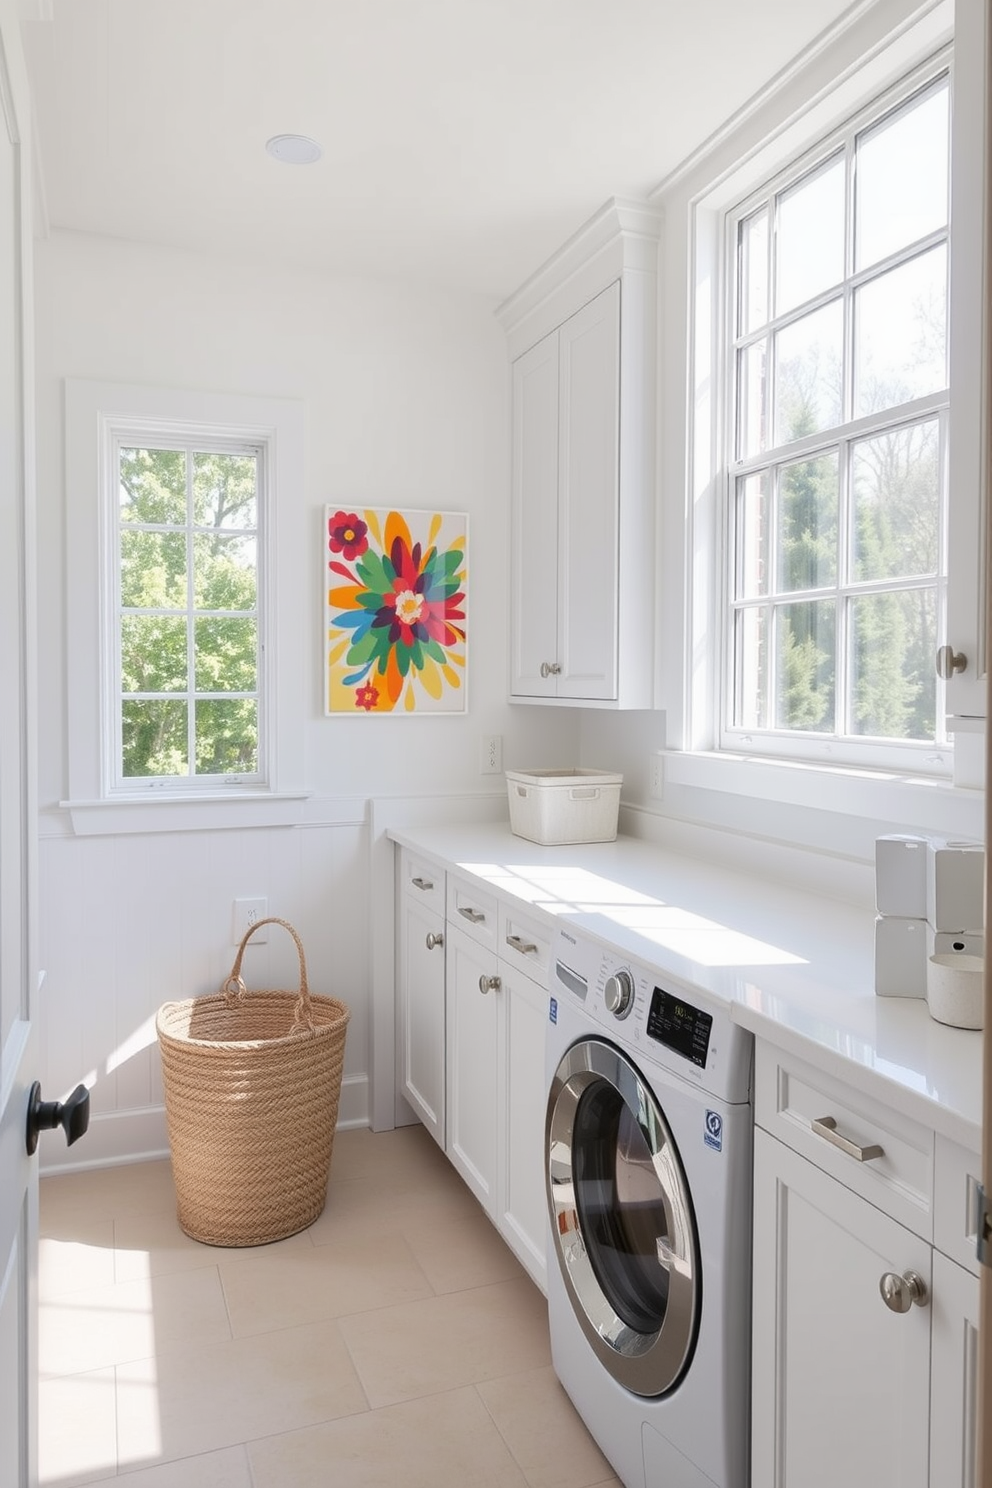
pixel 396 611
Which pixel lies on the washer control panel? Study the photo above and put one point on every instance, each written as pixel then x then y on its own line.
pixel 656 1016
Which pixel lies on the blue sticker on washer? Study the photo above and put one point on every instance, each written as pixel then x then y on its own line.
pixel 553 1009
pixel 713 1136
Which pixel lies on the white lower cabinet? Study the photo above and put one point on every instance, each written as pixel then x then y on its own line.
pixel 524 948
pixel 841 1384
pixel 471 1008
pixel 849 1385
pixel 420 1010
pixel 954 1376
pixel 472 987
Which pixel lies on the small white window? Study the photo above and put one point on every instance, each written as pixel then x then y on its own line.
pixel 187 572
pixel 186 597
pixel 837 441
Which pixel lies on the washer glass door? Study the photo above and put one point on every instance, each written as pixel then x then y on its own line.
pixel 622 1218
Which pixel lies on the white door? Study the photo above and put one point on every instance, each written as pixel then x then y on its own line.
pixel 523 1215
pixel 953 1376
pixel 534 553
pixel 589 498
pixel 472 1012
pixel 421 1012
pixel 18 1172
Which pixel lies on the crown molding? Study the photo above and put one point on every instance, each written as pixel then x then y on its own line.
pixel 621 237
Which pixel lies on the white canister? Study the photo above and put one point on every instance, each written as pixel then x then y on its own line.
pixel 956 989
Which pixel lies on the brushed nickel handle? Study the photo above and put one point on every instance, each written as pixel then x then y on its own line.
pixel 422 883
pixel 826 1127
pixel 488 984
pixel 433 940
pixel 475 915
pixel 550 668
pixel 525 947
pixel 900 1292
pixel 949 661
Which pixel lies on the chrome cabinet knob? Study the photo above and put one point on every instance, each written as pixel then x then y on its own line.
pixel 900 1292
pixel 489 983
pixel 434 940
pixel 550 668
pixel 950 661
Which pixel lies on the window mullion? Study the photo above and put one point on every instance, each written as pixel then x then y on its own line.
pixel 932 404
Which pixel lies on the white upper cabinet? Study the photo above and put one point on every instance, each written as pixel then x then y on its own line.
pixel 582 339
pixel 566 394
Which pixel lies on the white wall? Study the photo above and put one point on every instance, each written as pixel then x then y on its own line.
pixel 406 394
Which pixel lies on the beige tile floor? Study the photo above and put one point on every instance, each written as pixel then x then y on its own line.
pixel 395 1342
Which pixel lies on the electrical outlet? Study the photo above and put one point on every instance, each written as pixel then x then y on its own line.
pixel 248 912
pixel 491 754
pixel 656 776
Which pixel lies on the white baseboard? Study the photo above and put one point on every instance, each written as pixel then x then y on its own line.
pixel 116 1137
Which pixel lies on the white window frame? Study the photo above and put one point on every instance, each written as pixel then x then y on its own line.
pixel 843 70
pixel 920 757
pixel 98 418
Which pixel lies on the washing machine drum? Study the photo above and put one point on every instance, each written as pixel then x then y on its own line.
pixel 621 1217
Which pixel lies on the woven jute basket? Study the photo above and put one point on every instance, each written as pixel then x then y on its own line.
pixel 252 1084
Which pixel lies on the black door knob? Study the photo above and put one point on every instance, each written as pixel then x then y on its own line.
pixel 72 1115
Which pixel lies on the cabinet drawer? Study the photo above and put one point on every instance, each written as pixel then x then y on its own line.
pixel 473 910
pixel 791 1096
pixel 957 1173
pixel 422 879
pixel 525 943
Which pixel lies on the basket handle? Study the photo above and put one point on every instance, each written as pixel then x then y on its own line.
pixel 234 989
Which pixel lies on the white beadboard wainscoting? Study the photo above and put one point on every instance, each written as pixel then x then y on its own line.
pixel 131 921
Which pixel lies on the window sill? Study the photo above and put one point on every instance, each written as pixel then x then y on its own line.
pixel 927 804
pixel 162 812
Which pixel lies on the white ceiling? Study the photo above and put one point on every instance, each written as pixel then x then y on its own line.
pixel 464 140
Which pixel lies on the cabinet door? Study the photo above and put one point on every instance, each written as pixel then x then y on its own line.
pixel 522 1211
pixel 588 498
pixel 472 1026
pixel 420 1005
pixel 954 1375
pixel 534 522
pixel 840 1384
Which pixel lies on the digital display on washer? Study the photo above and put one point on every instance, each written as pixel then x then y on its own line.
pixel 680 1026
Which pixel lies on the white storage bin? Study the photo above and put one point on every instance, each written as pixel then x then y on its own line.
pixel 562 806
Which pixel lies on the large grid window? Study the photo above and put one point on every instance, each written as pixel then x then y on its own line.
pixel 838 435
pixel 187 606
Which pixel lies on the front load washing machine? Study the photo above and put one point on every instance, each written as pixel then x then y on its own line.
pixel 648 1141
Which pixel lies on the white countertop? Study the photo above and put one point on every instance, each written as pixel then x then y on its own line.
pixel 797 968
